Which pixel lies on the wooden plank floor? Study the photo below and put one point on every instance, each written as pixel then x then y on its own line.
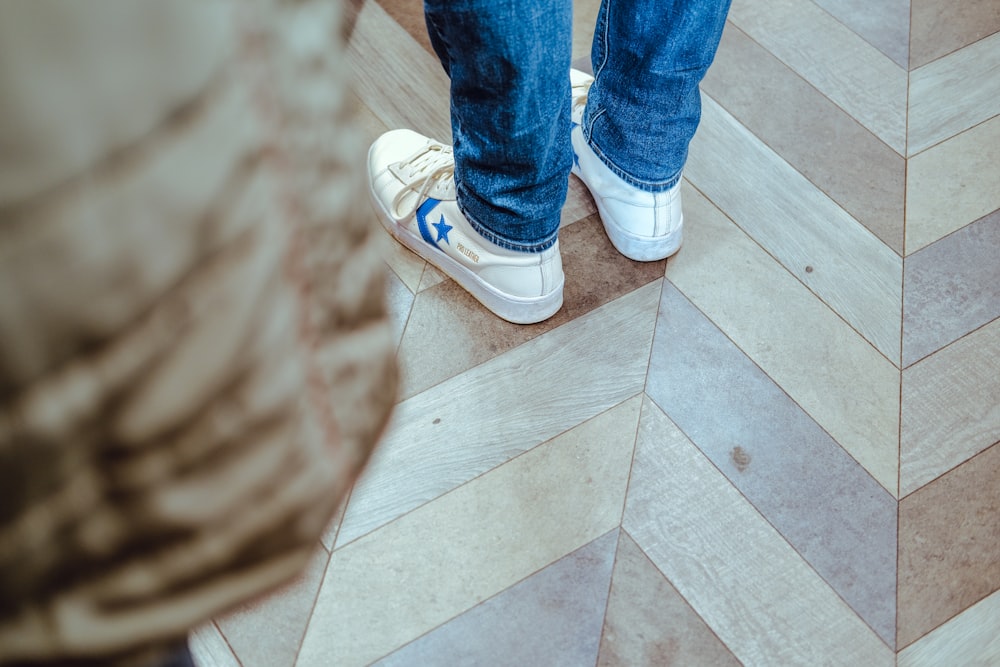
pixel 780 447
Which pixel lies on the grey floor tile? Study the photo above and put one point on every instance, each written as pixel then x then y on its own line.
pixel 552 618
pixel 884 24
pixel 827 506
pixel 649 623
pixel 753 589
pixel 951 287
pixel 812 133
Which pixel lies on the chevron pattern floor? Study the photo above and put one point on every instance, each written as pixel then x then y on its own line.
pixel 780 447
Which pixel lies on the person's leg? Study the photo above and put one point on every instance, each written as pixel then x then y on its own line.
pixel 631 138
pixel 644 106
pixel 510 112
pixel 486 211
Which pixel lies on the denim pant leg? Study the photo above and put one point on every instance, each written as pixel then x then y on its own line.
pixel 644 106
pixel 510 112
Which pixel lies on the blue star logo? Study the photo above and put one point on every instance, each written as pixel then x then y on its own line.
pixel 576 160
pixel 442 229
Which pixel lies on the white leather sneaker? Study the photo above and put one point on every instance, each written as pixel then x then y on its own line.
pixel 643 226
pixel 412 185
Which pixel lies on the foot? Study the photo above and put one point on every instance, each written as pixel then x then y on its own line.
pixel 643 226
pixel 411 179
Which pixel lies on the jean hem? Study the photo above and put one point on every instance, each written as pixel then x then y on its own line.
pixel 505 243
pixel 644 185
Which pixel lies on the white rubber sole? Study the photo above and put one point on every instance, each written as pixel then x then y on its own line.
pixel 635 247
pixel 519 310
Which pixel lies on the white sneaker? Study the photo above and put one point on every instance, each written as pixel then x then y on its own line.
pixel 643 226
pixel 412 184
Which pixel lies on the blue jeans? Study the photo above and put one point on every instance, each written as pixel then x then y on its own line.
pixel 509 60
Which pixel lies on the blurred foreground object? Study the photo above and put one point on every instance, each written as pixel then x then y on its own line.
pixel 195 359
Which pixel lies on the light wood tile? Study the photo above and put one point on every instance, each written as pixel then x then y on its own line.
pixel 971 639
pixel 953 94
pixel 403 84
pixel 430 278
pixel 952 184
pixel 584 19
pixel 414 574
pixel 552 618
pixel 815 239
pixel 736 571
pixel 951 407
pixel 465 426
pixel 266 632
pixel 858 77
pixel 824 365
pixel 813 134
pixel 884 24
pixel 938 28
pixel 209 648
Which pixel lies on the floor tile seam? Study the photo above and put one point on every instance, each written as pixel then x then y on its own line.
pixel 232 650
pixel 949 619
pixel 770 524
pixel 839 110
pixel 865 39
pixel 487 599
pixel 902 70
pixel 945 140
pixel 949 234
pixel 862 229
pixel 614 563
pixel 783 390
pixel 819 92
pixel 683 597
pixel 535 337
pixel 945 55
pixel 312 605
pixel 798 280
pixel 946 622
pixel 966 461
pixel 927 357
pixel 389 267
pixel 478 476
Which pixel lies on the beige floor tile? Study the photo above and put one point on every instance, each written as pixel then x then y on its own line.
pixel 938 28
pixel 396 77
pixel 649 623
pixel 854 74
pixel 414 574
pixel 584 19
pixel 952 184
pixel 267 632
pixel 729 563
pixel 825 366
pixel 971 639
pixel 949 546
pixel 209 648
pixel 954 93
pixel 465 334
pixel 951 407
pixel 815 239
pixel 479 419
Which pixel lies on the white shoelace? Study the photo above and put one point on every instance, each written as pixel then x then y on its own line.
pixel 432 165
